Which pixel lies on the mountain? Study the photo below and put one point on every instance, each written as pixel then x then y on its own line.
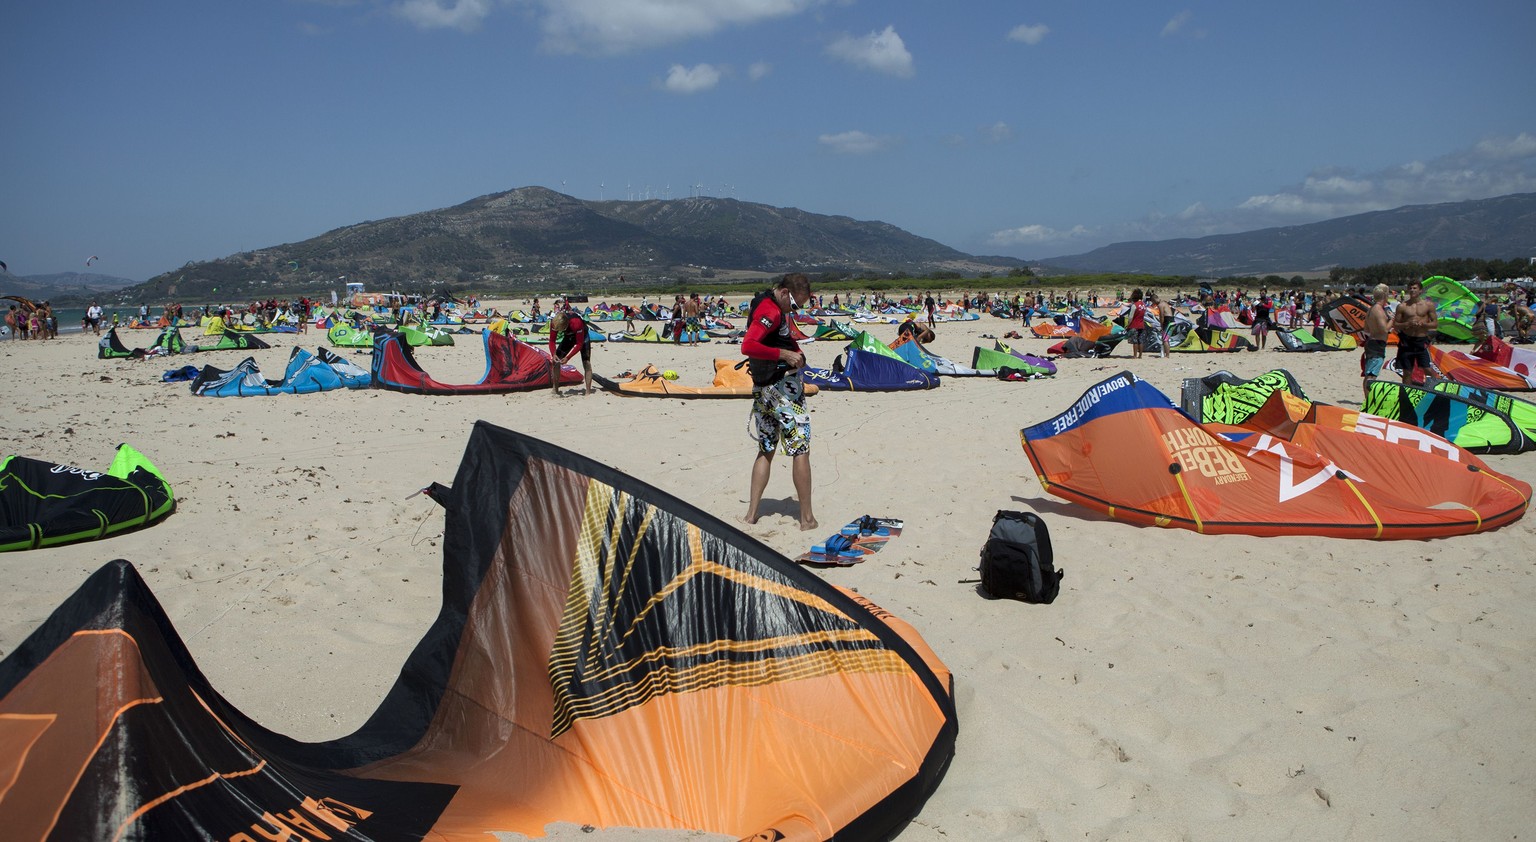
pixel 1503 227
pixel 62 286
pixel 534 238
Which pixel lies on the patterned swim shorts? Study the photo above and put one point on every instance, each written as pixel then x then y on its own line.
pixel 779 418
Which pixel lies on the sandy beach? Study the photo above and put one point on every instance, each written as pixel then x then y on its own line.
pixel 1181 687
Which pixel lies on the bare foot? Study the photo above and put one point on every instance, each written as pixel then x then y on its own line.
pixel 748 521
pixel 807 527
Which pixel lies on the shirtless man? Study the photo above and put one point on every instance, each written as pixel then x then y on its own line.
pixel 1524 318
pixel 692 309
pixel 1377 325
pixel 1413 321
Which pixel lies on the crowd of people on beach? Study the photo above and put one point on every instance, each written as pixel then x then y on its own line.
pixel 38 322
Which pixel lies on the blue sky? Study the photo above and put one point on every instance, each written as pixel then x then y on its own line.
pixel 152 134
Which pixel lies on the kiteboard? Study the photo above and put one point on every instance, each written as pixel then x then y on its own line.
pixel 859 539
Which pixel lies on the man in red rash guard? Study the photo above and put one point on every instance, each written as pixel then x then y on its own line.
pixel 779 419
pixel 567 335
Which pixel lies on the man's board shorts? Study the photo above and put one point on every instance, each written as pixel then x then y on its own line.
pixel 1413 352
pixel 568 342
pixel 1371 361
pixel 779 418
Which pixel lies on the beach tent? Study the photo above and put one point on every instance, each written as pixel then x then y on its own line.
pixel 1225 398
pixel 1455 306
pixel 868 371
pixel 511 365
pixel 1479 372
pixel 1123 449
pixel 44 504
pixel 731 381
pixel 605 655
pixel 1475 424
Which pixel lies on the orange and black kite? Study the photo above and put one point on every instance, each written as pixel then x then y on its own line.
pixel 606 655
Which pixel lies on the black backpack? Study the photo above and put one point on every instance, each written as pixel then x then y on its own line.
pixel 1016 561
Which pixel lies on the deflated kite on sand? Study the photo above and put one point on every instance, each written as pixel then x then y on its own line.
pixel 606 654
pixel 1291 468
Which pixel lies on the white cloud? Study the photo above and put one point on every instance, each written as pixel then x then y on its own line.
pixel 1176 23
pixel 758 70
pixel 1494 166
pixel 998 132
pixel 882 52
pixel 463 15
pixel 1034 235
pixel 691 80
pixel 621 26
pixel 854 142
pixel 1030 34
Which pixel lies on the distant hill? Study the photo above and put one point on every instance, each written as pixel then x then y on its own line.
pixel 61 286
pixel 1502 227
pixel 534 238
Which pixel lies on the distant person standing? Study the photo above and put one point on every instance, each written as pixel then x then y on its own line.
pixel 692 308
pixel 1136 323
pixel 93 317
pixel 676 323
pixel 1263 319
pixel 567 337
pixel 779 419
pixel 1413 321
pixel 1159 310
pixel 928 306
pixel 1377 325
pixel 1489 314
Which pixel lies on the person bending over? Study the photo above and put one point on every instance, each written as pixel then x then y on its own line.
pixel 568 335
